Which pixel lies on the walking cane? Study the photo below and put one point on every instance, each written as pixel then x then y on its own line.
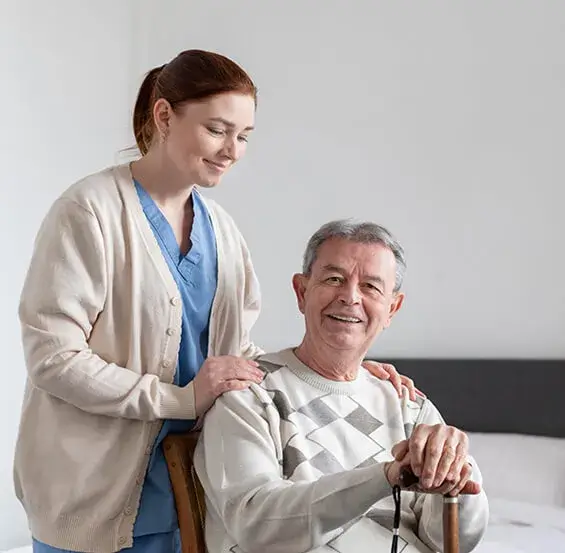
pixel 450 524
pixel 450 513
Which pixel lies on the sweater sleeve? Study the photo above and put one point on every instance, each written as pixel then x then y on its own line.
pixel 428 508
pixel 63 294
pixel 240 472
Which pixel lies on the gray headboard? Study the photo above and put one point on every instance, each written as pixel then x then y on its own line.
pixel 494 395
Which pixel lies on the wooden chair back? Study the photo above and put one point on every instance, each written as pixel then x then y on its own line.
pixel 187 490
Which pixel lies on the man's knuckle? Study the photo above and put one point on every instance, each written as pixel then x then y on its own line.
pixel 434 453
pixel 459 459
pixel 449 454
pixel 420 429
pixel 416 444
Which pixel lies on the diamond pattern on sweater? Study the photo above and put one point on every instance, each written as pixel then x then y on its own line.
pixel 363 421
pixel 291 459
pixel 330 431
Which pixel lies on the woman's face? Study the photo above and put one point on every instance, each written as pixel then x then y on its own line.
pixel 204 139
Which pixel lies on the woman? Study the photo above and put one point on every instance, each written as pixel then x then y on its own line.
pixel 135 315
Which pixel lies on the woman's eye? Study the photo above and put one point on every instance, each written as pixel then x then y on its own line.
pixel 215 131
pixel 243 138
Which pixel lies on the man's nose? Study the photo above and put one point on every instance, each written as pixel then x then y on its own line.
pixel 349 294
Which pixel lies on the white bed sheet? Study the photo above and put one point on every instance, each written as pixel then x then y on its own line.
pixel 519 527
pixel 506 459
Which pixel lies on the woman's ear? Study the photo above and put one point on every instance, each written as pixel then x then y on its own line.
pixel 162 114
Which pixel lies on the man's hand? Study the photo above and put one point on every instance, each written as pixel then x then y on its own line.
pixel 437 455
pixel 385 371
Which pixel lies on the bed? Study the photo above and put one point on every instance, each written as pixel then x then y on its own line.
pixel 522 458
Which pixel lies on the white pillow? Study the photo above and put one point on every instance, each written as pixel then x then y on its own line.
pixel 520 467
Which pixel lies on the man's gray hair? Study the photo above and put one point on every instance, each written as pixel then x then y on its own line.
pixel 363 232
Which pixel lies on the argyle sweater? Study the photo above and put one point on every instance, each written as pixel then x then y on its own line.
pixel 295 465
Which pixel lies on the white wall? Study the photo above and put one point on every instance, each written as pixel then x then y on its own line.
pixel 65 112
pixel 443 120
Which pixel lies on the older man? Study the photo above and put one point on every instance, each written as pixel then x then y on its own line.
pixel 306 460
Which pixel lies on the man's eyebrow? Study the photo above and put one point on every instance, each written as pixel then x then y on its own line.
pixel 377 279
pixel 227 123
pixel 336 269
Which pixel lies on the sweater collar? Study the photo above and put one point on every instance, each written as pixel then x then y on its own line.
pixel 287 358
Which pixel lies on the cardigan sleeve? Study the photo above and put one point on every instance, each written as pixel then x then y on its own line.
pixel 63 294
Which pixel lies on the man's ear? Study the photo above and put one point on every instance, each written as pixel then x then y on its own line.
pixel 394 307
pixel 299 285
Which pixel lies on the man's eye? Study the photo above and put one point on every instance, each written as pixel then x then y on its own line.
pixel 374 288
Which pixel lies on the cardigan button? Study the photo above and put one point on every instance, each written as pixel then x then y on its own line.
pixel 122 540
pixel 128 511
pixel 174 301
pixel 166 364
pixel 170 331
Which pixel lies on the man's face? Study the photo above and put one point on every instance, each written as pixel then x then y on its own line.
pixel 348 298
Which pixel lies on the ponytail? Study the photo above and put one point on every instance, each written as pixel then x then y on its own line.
pixel 143 110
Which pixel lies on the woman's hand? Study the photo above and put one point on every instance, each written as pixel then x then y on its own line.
pixel 385 371
pixel 223 374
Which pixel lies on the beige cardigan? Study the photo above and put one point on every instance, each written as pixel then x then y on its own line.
pixel 101 321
